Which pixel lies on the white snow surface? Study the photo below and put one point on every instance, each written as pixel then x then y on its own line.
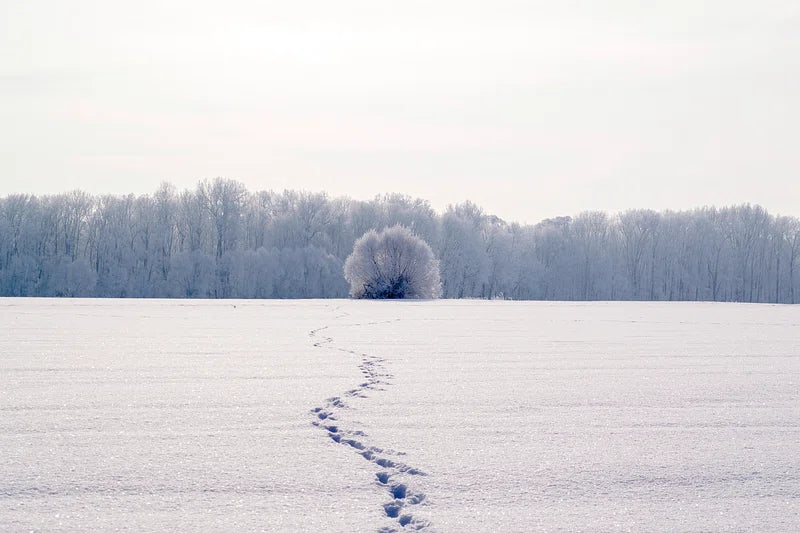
pixel 157 415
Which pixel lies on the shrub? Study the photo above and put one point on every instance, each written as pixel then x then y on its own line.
pixel 394 263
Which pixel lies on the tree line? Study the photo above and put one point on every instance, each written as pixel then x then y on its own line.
pixel 220 240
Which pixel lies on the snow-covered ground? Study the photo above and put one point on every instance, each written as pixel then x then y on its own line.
pixel 447 416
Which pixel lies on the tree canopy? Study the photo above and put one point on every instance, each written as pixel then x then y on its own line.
pixel 393 263
pixel 220 240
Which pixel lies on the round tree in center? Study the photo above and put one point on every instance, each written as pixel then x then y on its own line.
pixel 393 263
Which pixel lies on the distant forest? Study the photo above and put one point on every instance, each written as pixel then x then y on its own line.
pixel 221 241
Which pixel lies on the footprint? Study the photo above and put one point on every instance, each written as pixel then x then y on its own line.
pixel 336 402
pixel 415 499
pixel 399 491
pixel 393 510
pixel 354 443
pixel 409 522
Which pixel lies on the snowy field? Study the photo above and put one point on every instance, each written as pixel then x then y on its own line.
pixel 445 416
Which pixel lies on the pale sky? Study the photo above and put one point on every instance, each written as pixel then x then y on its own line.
pixel 530 109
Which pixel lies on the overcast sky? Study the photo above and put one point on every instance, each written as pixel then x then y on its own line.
pixel 531 109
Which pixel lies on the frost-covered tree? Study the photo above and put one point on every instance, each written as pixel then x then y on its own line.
pixel 394 263
pixel 465 263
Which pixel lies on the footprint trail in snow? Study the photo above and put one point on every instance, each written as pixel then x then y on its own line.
pixel 392 476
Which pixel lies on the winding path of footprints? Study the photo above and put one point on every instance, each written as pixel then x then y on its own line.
pixel 392 476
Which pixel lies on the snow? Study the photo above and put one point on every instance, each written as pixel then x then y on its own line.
pixel 145 415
